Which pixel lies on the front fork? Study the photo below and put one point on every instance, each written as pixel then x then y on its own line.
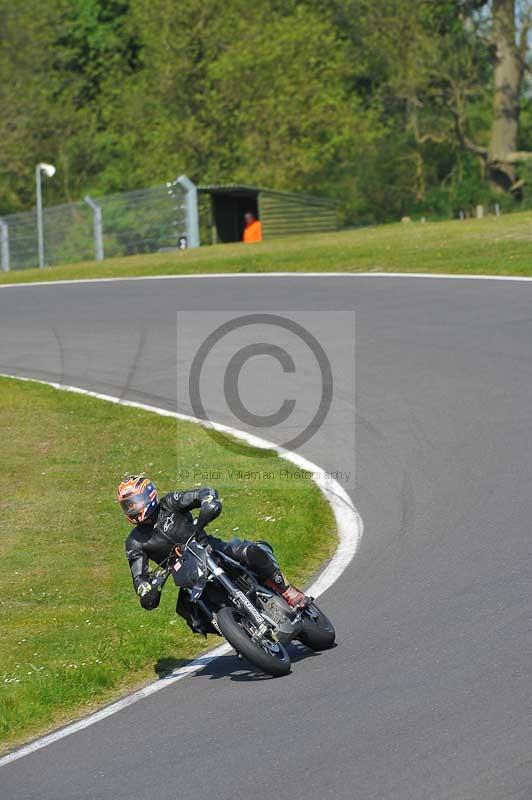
pixel 242 602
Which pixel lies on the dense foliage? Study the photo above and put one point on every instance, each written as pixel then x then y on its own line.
pixel 372 103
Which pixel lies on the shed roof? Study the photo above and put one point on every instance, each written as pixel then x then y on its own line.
pixel 242 188
pixel 228 188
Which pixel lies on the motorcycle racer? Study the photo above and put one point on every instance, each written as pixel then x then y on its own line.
pixel 163 525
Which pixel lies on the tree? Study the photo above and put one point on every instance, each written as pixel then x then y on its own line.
pixel 26 129
pixel 510 49
pixel 458 68
pixel 258 94
pixel 388 107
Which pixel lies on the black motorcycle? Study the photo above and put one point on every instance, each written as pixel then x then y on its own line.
pixel 226 598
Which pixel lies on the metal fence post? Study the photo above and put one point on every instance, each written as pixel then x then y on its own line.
pixel 97 227
pixel 191 200
pixel 4 245
pixel 40 224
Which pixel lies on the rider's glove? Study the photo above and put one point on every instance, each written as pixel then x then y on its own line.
pixel 200 535
pixel 158 578
pixel 211 508
pixel 143 588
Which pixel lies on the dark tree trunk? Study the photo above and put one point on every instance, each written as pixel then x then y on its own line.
pixel 507 88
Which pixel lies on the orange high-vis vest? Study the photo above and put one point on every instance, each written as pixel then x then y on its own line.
pixel 253 232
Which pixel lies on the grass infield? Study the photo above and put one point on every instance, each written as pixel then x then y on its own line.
pixel 489 246
pixel 72 633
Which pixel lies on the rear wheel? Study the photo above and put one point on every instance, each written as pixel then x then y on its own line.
pixel 267 655
pixel 318 631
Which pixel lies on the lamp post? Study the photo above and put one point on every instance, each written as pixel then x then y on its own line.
pixel 49 171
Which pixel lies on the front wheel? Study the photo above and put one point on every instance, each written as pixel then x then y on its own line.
pixel 318 631
pixel 268 656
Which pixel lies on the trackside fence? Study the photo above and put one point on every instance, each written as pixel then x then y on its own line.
pixel 145 221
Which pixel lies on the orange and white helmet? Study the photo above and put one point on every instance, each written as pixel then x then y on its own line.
pixel 137 496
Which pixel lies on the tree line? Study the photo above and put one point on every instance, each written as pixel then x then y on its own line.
pixel 389 107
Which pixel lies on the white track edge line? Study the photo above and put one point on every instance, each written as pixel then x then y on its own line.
pixel 233 275
pixel 349 526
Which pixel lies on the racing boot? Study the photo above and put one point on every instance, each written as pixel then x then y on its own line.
pixel 293 596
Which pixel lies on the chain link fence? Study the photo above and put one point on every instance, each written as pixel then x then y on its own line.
pixel 144 221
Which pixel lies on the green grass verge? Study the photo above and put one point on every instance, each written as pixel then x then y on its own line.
pixel 493 246
pixel 72 633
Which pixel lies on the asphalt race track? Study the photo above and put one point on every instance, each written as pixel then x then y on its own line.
pixel 429 692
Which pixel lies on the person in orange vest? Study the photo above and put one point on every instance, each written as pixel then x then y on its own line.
pixel 253 229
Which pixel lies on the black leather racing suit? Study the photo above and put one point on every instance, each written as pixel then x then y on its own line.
pixel 170 526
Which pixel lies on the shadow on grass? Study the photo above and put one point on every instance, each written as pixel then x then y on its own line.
pixel 230 666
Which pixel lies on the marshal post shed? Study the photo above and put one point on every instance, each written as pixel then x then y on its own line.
pixel 281 213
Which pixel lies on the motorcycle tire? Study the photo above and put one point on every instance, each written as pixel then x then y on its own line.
pixel 271 658
pixel 318 631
